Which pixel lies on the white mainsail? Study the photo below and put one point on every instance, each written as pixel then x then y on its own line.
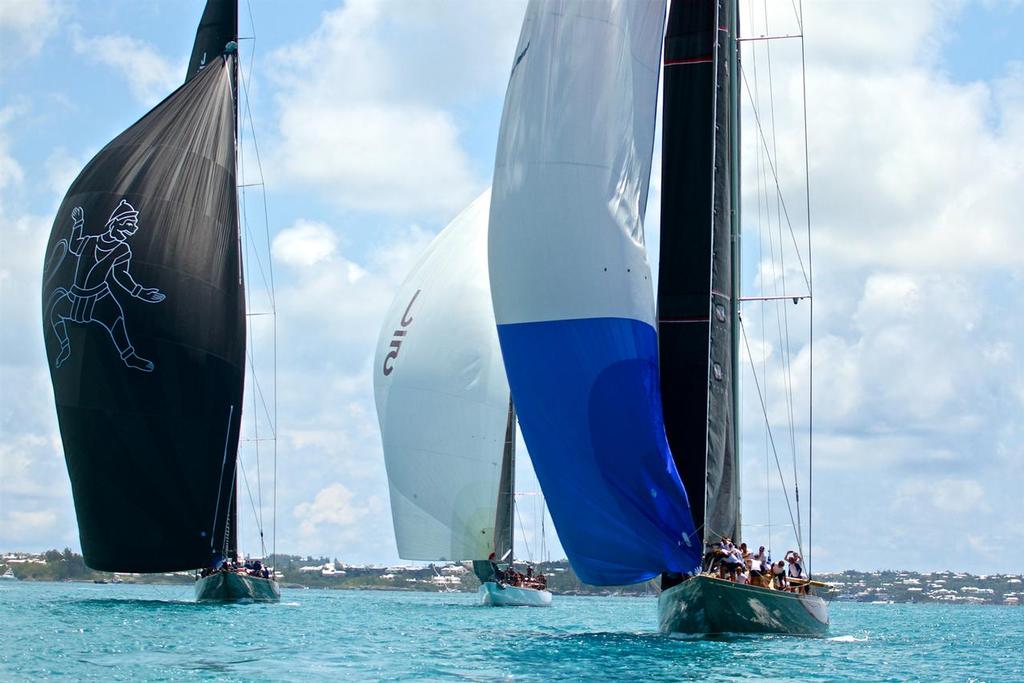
pixel 443 399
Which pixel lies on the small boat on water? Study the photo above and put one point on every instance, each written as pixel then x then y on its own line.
pixel 629 404
pixel 447 422
pixel 144 319
pixel 9 574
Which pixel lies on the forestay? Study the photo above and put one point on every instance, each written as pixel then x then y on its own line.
pixel 443 400
pixel 143 320
pixel 572 287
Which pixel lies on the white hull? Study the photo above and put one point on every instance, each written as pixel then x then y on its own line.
pixel 510 596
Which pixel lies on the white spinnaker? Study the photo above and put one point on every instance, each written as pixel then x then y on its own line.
pixel 443 404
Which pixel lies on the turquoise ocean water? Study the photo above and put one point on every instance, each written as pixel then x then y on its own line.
pixel 116 632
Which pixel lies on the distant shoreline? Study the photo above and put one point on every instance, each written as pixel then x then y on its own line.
pixel 295 572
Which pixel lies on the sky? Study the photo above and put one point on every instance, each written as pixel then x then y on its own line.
pixel 377 122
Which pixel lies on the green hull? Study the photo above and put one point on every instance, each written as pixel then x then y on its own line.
pixel 228 587
pixel 706 605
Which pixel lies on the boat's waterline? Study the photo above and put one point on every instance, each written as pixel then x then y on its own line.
pixel 497 595
pixel 705 605
pixel 230 587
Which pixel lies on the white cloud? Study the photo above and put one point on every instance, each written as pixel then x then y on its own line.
pixel 304 244
pixel 25 26
pixel 367 103
pixel 400 159
pixel 944 495
pixel 11 172
pixel 335 511
pixel 150 76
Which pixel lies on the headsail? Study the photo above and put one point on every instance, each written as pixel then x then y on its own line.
pixel 218 27
pixel 143 317
pixel 699 214
pixel 443 400
pixel 572 287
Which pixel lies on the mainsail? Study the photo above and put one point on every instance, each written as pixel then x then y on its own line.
pixel 572 287
pixel 143 317
pixel 698 274
pixel 443 402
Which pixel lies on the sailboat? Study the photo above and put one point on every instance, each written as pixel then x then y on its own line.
pixel 144 319
pixel 627 405
pixel 447 423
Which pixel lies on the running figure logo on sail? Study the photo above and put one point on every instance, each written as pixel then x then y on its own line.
pixel 102 261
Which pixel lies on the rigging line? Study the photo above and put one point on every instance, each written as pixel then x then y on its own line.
pixel 762 193
pixel 247 292
pixel 259 390
pixel 252 501
pixel 261 184
pixel 270 258
pixel 780 297
pixel 255 417
pixel 252 357
pixel 764 155
pixel 787 360
pixel 810 271
pixel 220 483
pixel 764 411
pixel 259 167
pixel 753 39
pixel 771 165
pixel 522 528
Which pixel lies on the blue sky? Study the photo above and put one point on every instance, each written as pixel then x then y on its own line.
pixel 377 123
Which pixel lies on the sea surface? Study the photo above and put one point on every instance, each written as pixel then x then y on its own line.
pixel 116 632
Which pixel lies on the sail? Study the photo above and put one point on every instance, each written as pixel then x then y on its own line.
pixel 217 27
pixel 143 319
pixel 572 287
pixel 443 400
pixel 696 306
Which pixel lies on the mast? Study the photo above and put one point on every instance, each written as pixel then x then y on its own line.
pixel 504 522
pixel 735 233
pixel 697 285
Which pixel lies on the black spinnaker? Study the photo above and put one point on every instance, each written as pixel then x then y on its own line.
pixel 217 28
pixel 143 317
pixel 696 283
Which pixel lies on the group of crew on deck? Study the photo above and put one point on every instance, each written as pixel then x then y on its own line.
pixel 518 579
pixel 736 563
pixel 252 568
